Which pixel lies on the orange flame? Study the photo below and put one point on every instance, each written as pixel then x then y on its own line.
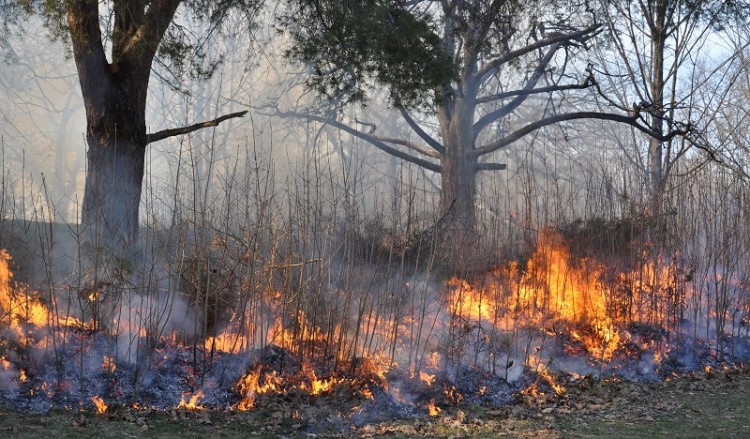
pixel 101 406
pixel 427 378
pixel 551 289
pixel 543 374
pixel 433 409
pixel 249 387
pixel 192 403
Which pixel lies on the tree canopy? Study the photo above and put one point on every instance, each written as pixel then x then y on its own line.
pixel 349 45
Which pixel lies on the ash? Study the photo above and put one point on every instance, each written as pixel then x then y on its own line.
pixel 81 365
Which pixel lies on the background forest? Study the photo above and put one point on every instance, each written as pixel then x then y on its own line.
pixel 436 186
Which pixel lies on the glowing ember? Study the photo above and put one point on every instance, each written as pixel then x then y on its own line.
pixel 367 393
pixel 108 364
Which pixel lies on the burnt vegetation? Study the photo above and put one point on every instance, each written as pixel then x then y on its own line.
pixel 455 207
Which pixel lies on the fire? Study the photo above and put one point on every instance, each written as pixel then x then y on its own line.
pixel 433 360
pixel 101 406
pixel 192 403
pixel 433 409
pixel 542 374
pixel 427 378
pixel 367 393
pixel 563 291
pixel 16 303
pixel 549 290
pixel 316 385
pixel 377 365
pixel 453 394
pixel 228 342
pixel 20 306
pixel 468 302
pixel 249 387
pixel 491 321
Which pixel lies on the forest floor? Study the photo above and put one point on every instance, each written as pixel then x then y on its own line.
pixel 713 404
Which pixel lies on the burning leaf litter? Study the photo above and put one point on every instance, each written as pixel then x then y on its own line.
pixel 533 332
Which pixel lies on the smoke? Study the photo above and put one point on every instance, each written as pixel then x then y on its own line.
pixel 8 377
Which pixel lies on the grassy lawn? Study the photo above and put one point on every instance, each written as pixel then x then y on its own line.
pixel 686 407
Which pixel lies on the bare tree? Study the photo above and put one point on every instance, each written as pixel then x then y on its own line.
pixel 507 55
pixel 656 46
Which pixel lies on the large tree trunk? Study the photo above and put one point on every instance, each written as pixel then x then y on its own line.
pixel 114 93
pixel 656 178
pixel 459 189
pixel 116 135
pixel 112 194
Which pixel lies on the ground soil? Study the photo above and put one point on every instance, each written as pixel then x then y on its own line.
pixel 711 404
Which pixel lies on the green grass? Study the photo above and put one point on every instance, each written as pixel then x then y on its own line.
pixel 716 408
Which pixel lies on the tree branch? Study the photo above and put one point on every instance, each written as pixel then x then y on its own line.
pixel 142 42
pixel 631 120
pixel 506 109
pixel 540 90
pixel 377 142
pixel 434 144
pixel 491 166
pixel 580 36
pixel 161 135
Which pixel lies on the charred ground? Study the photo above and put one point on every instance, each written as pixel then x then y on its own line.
pixel 708 404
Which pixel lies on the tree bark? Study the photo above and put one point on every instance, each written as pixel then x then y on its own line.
pixel 656 177
pixel 459 182
pixel 112 194
pixel 457 203
pixel 115 99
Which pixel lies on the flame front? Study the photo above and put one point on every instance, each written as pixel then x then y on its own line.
pixel 496 323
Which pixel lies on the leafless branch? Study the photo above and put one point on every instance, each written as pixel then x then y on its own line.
pixel 632 120
pixel 579 36
pixel 491 166
pixel 434 144
pixel 378 142
pixel 506 109
pixel 161 135
pixel 540 90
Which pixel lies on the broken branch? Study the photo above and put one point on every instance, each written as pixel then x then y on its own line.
pixel 161 135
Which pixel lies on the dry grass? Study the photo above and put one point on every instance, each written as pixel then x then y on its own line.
pixel 713 405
